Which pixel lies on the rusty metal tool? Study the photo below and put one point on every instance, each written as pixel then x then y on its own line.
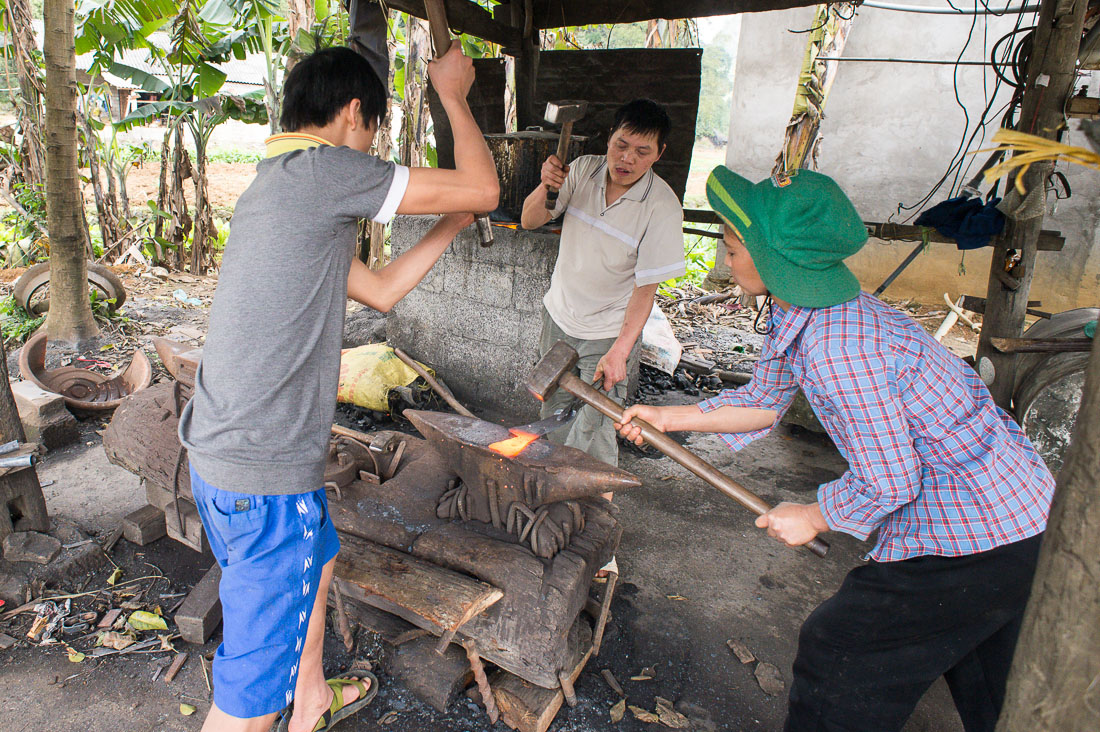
pixel 441 40
pixel 437 386
pixel 561 418
pixel 563 113
pixel 555 370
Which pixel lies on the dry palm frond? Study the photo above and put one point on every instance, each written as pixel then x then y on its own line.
pixel 1027 149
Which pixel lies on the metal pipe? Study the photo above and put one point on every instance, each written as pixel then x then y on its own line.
pixel 984 10
pixel 9 447
pixel 937 62
pixel 21 461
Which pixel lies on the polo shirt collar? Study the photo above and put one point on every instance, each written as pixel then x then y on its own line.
pixel 636 192
pixel 288 141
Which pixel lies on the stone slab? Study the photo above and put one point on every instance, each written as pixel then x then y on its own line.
pixel 70 567
pixel 31 546
pixel 45 417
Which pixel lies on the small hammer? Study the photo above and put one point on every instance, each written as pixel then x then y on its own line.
pixel 556 370
pixel 441 39
pixel 563 113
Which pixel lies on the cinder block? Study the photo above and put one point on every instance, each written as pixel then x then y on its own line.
pixel 144 525
pixel 481 281
pixel 45 417
pixel 201 611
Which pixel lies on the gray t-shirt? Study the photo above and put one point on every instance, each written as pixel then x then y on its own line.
pixel 265 392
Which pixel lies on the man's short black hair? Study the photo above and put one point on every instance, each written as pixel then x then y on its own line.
pixel 323 83
pixel 644 117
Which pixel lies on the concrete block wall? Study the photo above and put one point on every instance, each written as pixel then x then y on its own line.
pixel 476 317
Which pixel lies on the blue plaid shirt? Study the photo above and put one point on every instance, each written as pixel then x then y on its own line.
pixel 934 464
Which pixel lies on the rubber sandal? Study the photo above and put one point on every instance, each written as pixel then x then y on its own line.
pixel 337 711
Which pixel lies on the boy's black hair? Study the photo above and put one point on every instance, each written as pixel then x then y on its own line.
pixel 645 117
pixel 323 83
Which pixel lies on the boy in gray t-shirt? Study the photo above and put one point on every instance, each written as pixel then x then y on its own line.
pixel 258 426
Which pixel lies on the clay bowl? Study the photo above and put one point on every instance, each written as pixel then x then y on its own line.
pixel 81 388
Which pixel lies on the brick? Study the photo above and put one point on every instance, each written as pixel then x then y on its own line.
pixel 528 289
pixel 45 418
pixel 144 525
pixel 31 546
pixel 483 282
pixel 201 611
pixel 480 322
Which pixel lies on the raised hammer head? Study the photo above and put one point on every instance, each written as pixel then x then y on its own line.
pixel 557 362
pixel 568 110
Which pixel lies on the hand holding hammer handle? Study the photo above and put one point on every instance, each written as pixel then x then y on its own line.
pixel 563 150
pixel 441 40
pixel 608 407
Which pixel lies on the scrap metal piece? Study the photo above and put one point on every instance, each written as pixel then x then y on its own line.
pixel 82 388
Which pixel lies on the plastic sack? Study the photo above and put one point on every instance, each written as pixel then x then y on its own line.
pixel 660 349
pixel 368 374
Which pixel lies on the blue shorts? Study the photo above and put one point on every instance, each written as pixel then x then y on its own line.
pixel 271 550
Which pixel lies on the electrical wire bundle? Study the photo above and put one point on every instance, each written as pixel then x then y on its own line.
pixel 1009 57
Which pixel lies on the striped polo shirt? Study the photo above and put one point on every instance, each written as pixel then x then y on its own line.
pixel 606 251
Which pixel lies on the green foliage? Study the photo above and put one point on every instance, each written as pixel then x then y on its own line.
pixel 716 86
pixel 103 309
pixel 16 322
pixel 20 237
pixel 235 156
pixel 699 252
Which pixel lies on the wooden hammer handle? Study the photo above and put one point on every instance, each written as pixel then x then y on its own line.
pixel 437 23
pixel 608 407
pixel 563 151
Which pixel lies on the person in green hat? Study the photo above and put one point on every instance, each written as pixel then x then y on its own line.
pixel 957 495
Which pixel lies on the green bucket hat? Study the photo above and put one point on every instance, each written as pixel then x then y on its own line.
pixel 798 229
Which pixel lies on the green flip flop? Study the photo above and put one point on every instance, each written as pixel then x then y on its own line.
pixel 337 711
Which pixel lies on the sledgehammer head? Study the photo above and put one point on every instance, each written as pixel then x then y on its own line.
pixel 557 362
pixel 568 110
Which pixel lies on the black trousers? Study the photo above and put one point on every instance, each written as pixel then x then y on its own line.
pixel 868 653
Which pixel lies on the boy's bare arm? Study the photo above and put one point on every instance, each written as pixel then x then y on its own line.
pixel 473 184
pixel 382 289
pixel 689 418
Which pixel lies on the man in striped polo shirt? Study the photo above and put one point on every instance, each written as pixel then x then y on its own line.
pixel 622 236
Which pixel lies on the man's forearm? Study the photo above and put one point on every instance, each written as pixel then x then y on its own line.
pixel 637 313
pixel 535 213
pixel 382 289
pixel 472 156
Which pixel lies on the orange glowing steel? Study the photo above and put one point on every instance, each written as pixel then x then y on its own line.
pixel 513 445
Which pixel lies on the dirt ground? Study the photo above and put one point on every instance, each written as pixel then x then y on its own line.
pixel 695 574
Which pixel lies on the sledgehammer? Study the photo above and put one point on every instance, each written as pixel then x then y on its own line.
pixel 564 114
pixel 556 370
pixel 441 39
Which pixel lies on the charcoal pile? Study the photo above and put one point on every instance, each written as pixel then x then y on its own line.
pixel 654 382
pixel 417 395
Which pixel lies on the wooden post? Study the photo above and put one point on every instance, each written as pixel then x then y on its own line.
pixel 1053 684
pixel 526 67
pixel 1050 75
pixel 22 505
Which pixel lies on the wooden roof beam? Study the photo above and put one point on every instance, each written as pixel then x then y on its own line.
pixel 465 17
pixel 560 13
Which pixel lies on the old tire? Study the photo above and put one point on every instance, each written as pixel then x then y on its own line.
pixel 1048 387
pixel 30 288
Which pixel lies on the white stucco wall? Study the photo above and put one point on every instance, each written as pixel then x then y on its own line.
pixel 890 131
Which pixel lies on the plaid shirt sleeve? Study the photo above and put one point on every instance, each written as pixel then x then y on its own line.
pixel 772 387
pixel 858 390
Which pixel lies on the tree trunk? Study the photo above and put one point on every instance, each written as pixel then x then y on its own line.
pixel 162 194
pixel 29 107
pixel 412 107
pixel 300 16
pixel 372 236
pixel 1054 683
pixel 204 220
pixel 108 224
pixel 181 219
pixel 70 316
